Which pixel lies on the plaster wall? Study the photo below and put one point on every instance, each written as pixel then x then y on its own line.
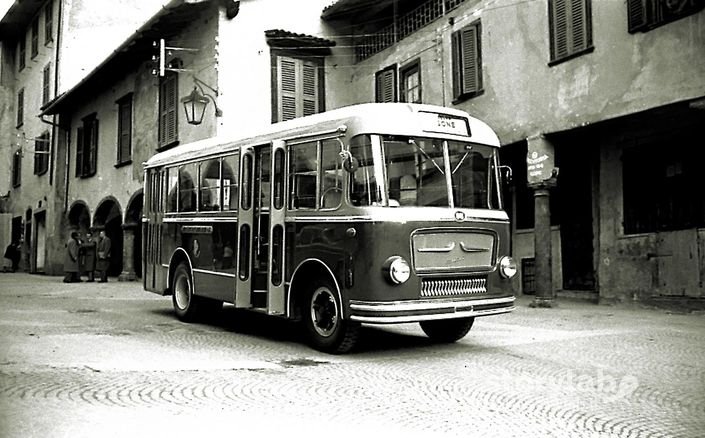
pixel 34 194
pixel 244 67
pixel 523 95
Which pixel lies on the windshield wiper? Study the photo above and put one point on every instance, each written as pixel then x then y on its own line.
pixel 423 152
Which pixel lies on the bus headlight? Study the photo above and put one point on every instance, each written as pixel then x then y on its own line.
pixel 507 267
pixel 396 269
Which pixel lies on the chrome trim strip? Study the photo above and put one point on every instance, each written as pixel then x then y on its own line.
pixel 417 305
pixel 199 219
pixel 417 318
pixel 445 249
pixel 221 274
pixel 468 248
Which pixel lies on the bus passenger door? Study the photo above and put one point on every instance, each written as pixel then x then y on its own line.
pixel 245 221
pixel 276 297
pixel 154 275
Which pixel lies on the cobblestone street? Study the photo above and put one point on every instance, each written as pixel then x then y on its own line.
pixel 111 360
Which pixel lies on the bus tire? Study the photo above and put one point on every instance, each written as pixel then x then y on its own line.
pixel 327 331
pixel 447 330
pixel 187 306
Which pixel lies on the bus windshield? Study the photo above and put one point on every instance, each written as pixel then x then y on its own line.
pixel 423 172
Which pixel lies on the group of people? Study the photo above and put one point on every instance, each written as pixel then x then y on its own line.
pixel 87 256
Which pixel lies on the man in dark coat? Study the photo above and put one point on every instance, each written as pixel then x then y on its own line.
pixel 71 259
pixel 103 248
pixel 13 253
pixel 88 250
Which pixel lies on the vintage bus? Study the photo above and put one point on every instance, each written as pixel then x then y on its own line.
pixel 374 213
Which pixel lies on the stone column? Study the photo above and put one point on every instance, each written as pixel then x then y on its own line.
pixel 541 177
pixel 128 250
pixel 542 248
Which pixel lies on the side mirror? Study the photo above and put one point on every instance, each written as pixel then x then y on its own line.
pixel 350 164
pixel 505 174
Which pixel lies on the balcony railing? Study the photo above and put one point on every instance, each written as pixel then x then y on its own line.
pixel 404 26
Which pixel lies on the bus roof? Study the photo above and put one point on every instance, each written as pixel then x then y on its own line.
pixel 369 118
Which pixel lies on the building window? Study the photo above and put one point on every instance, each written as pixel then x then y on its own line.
pixel 570 26
pixel 386 84
pixel 16 169
pixel 22 51
pixel 20 107
pixel 48 23
pixel 46 84
pixel 124 140
pixel 299 87
pixel 87 147
pixel 644 15
pixel 35 37
pixel 41 154
pixel 168 109
pixel 411 83
pixel 658 181
pixel 467 61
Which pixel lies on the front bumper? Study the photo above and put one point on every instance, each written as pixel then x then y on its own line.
pixel 386 312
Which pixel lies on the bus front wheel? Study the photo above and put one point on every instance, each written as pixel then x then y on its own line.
pixel 447 330
pixel 326 329
pixel 188 307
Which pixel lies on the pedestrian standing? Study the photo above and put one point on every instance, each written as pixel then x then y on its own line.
pixel 103 248
pixel 89 254
pixel 71 259
pixel 12 253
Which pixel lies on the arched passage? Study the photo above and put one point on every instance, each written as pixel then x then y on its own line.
pixel 109 218
pixel 79 218
pixel 132 255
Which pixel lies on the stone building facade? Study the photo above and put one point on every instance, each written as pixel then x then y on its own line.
pixel 610 93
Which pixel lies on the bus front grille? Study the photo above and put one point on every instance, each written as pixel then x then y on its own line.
pixel 438 287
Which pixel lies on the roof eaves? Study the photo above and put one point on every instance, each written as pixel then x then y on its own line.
pixel 55 106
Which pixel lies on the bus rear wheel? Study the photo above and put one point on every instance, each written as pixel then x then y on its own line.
pixel 447 330
pixel 326 329
pixel 189 307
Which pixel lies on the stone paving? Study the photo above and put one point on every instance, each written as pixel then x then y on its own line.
pixel 105 360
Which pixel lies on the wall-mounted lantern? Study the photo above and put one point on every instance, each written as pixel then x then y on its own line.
pixel 195 103
pixel 195 107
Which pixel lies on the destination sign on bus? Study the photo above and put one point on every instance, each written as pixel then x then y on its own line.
pixel 444 124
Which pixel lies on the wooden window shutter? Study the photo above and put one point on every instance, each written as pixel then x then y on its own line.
pixel 287 88
pixel 46 81
pixel 124 129
pixel 92 147
pixel 386 85
pixel 79 150
pixel 168 106
pixel 298 86
pixel 17 169
pixel 20 107
pixel 309 76
pixel 467 61
pixel 570 27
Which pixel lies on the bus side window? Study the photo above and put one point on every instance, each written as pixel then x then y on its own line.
pixel 172 189
pixel 187 187
pixel 210 185
pixel 303 167
pixel 231 164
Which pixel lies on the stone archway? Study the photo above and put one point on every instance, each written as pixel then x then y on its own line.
pixel 132 250
pixel 79 218
pixel 109 218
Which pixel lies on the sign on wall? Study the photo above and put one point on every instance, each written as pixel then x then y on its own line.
pixel 540 160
